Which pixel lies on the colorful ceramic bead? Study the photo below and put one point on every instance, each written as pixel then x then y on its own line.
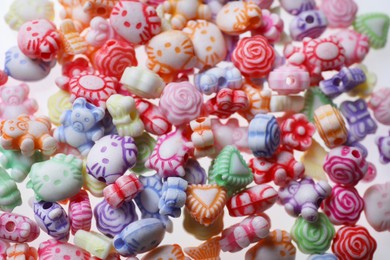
pixel 113 57
pixel 271 27
pixel 377 206
pixel 136 22
pixel 80 212
pixel 173 197
pixel 207 250
pixel 252 200
pixel 263 135
pixel 330 125
pixel 81 126
pixel 174 252
pixel 39 39
pixel 145 144
pixel 205 202
pixel 313 237
pixel 20 67
pixel 340 14
pixel 21 251
pixel 125 116
pixel 111 221
pixel 380 104
pixel 195 174
pixel 297 7
pixel 356 45
pixel 343 206
pixel 28 135
pixel 170 154
pixel 151 115
pixel 200 231
pixel 345 80
pixel 345 165
pixel 297 201
pixel 142 82
pixel 277 245
pixel 15 101
pixel 17 229
pixel 124 189
pixel 66 183
pixel 94 243
pixel 10 196
pixel 281 168
pixel 259 101
pixel 375 26
pixel 100 30
pixel 288 80
pixel 181 102
pixel 311 23
pixel 71 41
pixel 241 235
pixel 229 133
pixel 253 56
pixel 353 243
pixel 202 137
pixel 297 132
pixel 383 143
pixel 238 17
pixel 170 52
pixel 139 237
pixel 51 249
pixel 229 170
pixel 208 41
pixel 52 219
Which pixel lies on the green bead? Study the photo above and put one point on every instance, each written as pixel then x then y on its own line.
pixel 229 170
pixel 314 98
pixel 145 145
pixel 313 238
pixel 9 193
pixel 375 26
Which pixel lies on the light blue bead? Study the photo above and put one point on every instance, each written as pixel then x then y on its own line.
pixel 173 197
pixel 326 256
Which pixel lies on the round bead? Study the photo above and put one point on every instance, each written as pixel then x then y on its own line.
pixel 380 104
pixel 340 14
pixel 377 206
pixel 80 212
pixel 25 230
pixel 297 132
pixel 288 80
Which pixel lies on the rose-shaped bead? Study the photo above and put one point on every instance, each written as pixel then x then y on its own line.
pixel 296 132
pixel 254 56
pixel 181 102
pixel 353 243
pixel 344 205
pixel 340 13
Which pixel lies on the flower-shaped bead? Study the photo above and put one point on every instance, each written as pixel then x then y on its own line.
pixel 296 132
pixel 340 14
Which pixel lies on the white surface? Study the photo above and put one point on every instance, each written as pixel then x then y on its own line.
pixel 377 61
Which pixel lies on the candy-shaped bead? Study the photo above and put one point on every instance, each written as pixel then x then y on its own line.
pixel 21 251
pixel 375 26
pixel 27 135
pixel 356 45
pixel 80 212
pixel 202 137
pixel 173 197
pixel 297 132
pixel 71 40
pixel 174 252
pixel 241 235
pixel 379 104
pixel 340 14
pixel 238 17
pixel 145 145
pixel 195 174
pixel 345 165
pixel 297 201
pixel 207 250
pixel 343 206
pixel 125 115
pixel 377 206
pixel 383 143
pixel 110 157
pixel 227 102
pixel 111 221
pixel 136 22
pixel 200 231
pixel 263 135
pixel 353 242
pixel 277 245
pixel 142 82
pixel 330 125
pixel 52 219
pixel 310 23
pixel 251 201
pixel 313 237
pixel 139 237
pixel 288 80
pixel 124 189
pixel 253 56
pixel 271 27
pixel 296 7
pixel 94 243
pixel 17 229
pixel 54 249
pixel 10 196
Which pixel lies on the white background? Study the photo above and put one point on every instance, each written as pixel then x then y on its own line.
pixel 377 61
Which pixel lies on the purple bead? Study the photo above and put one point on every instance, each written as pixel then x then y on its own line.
pixel 308 24
pixel 110 221
pixel 296 7
pixel 195 174
pixel 383 143
pixel 345 80
pixel 52 219
pixel 359 119
pixel 231 43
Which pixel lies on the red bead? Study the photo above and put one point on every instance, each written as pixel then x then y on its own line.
pixel 124 189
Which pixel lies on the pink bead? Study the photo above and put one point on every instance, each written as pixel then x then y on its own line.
pixel 343 206
pixel 125 188
pixel 380 104
pixel 4 245
pixel 345 165
pixel 296 132
pixel 181 102
pixel 288 80
pixel 3 77
pixel 227 102
pixel 356 45
pixel 53 249
pixel 18 229
pixel 271 27
pixel 80 212
pixel 339 13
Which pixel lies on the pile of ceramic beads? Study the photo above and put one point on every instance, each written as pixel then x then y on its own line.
pixel 133 133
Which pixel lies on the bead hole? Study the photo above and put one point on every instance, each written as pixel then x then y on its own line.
pixel 10 226
pixel 355 154
pixel 309 19
pixel 47 205
pixel 290 80
pixel 221 81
